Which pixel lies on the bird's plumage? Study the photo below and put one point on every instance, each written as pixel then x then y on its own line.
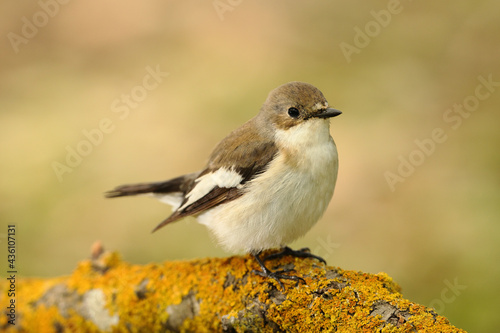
pixel 267 182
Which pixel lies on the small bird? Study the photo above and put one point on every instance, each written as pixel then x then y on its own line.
pixel 265 184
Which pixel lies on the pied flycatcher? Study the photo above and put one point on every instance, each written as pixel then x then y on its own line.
pixel 266 184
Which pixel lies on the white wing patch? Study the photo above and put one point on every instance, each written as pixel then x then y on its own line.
pixel 173 199
pixel 222 177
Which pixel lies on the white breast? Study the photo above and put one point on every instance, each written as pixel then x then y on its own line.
pixel 284 202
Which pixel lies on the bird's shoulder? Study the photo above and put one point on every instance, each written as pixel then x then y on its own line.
pixel 246 150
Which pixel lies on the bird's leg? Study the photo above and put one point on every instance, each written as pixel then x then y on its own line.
pixel 267 273
pixel 286 251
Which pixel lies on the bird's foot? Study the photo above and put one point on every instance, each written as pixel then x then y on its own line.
pixel 277 275
pixel 286 251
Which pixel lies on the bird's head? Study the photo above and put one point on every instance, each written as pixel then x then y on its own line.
pixel 295 103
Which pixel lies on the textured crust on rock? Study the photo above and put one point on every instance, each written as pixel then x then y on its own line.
pixel 214 294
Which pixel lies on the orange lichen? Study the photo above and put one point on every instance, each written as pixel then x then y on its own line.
pixel 209 294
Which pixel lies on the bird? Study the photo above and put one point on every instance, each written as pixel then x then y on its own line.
pixel 265 184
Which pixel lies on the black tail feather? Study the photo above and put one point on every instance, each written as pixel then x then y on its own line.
pixel 179 184
pixel 132 189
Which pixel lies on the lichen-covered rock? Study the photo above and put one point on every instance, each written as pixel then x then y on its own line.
pixel 214 294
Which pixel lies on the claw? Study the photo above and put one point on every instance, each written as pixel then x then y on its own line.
pixel 277 275
pixel 302 253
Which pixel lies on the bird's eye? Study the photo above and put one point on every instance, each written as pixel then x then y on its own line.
pixel 293 112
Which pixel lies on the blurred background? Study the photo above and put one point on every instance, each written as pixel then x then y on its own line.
pixel 95 94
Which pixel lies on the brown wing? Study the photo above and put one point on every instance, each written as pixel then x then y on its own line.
pixel 244 151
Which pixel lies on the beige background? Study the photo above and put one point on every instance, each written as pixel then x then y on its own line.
pixel 437 228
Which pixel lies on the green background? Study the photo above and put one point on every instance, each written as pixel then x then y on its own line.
pixel 437 227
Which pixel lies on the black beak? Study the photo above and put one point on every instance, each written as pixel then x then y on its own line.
pixel 328 113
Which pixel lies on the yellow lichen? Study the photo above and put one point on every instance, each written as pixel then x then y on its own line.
pixel 142 296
